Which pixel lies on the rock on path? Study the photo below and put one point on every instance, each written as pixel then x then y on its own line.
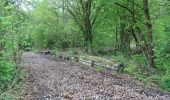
pixel 51 79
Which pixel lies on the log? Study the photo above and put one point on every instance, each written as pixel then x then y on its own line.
pixel 89 60
pixel 101 62
pixel 45 52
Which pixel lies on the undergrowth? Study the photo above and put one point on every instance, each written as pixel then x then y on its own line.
pixel 11 80
pixel 136 66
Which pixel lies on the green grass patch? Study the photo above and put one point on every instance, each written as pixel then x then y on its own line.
pixel 100 69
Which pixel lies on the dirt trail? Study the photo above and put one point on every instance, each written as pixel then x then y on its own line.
pixel 51 79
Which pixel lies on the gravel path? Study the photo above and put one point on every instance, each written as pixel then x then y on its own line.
pixel 51 79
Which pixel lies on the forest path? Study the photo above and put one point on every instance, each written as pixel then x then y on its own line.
pixel 51 79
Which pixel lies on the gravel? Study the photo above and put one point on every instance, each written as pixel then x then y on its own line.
pixel 51 79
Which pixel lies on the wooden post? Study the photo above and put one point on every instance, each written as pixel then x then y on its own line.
pixel 60 57
pixel 76 59
pixel 92 63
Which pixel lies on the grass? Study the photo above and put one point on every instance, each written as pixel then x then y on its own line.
pixel 100 69
pixel 136 66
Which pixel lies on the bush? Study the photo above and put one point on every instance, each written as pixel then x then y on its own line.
pixel 6 72
pixel 130 69
pixel 139 59
pixel 165 82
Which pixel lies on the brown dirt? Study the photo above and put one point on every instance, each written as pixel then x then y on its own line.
pixel 51 79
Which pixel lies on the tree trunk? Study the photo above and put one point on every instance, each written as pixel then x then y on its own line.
pixel 88 25
pixel 116 38
pixel 133 23
pixel 150 32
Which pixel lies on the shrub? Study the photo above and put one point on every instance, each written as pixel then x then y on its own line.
pixel 165 82
pixel 130 69
pixel 6 72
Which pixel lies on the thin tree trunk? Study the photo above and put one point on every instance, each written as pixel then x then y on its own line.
pixel 133 23
pixel 116 37
pixel 150 33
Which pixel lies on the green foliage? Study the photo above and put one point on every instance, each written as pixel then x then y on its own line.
pixel 51 26
pixel 51 29
pixel 120 57
pixel 7 70
pixel 11 24
pixel 165 82
pixel 15 87
pixel 142 78
pixel 25 42
pixel 130 68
